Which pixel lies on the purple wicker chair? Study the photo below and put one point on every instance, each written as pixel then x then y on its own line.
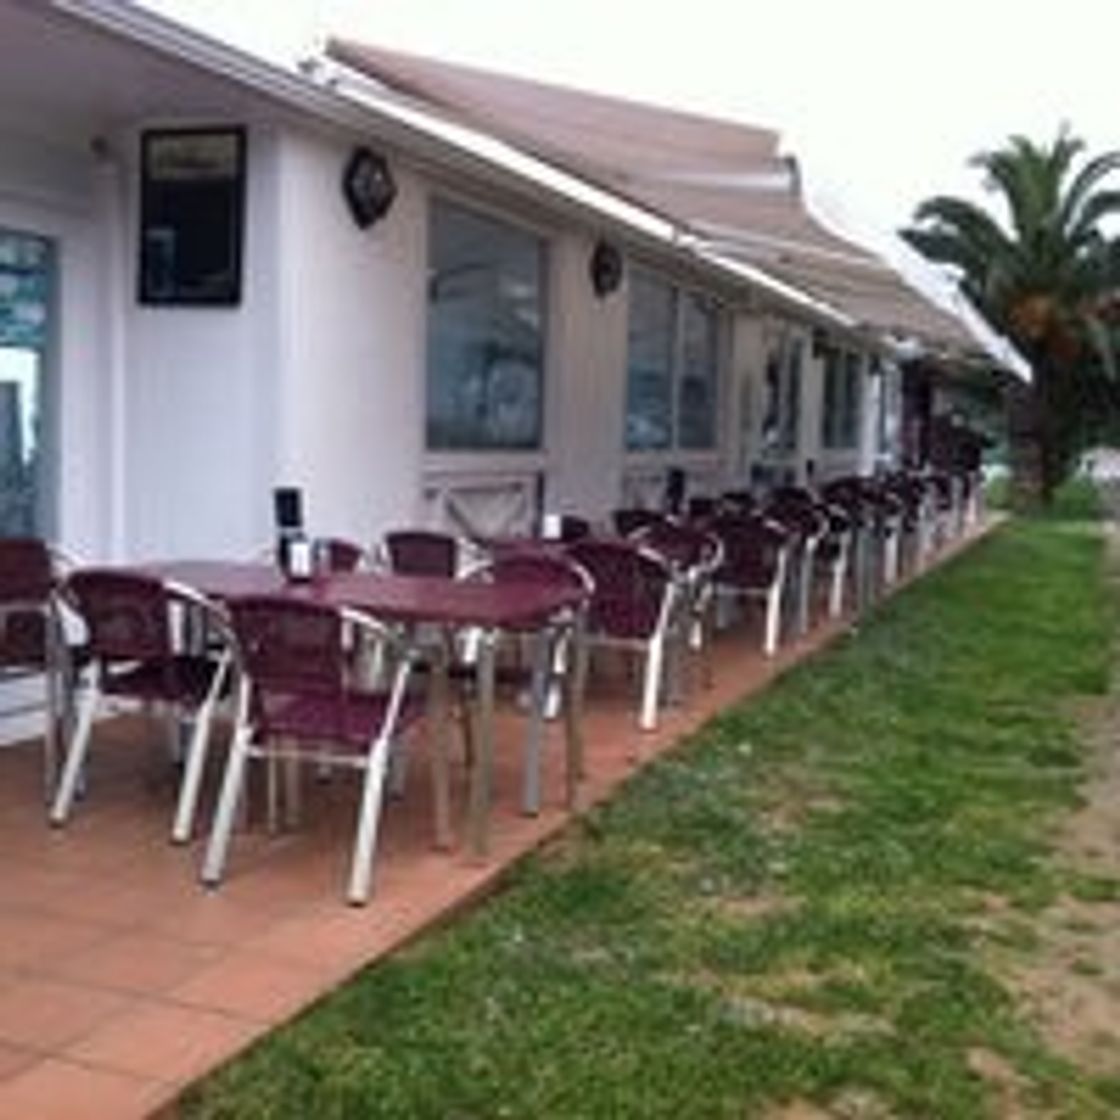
pixel 133 656
pixel 807 526
pixel 753 566
pixel 557 674
pixel 421 552
pixel 693 554
pixel 632 607
pixel 340 555
pixel 31 639
pixel 296 701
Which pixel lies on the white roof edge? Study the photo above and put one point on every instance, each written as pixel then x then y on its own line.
pixel 769 285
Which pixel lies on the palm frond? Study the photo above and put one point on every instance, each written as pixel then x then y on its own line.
pixel 1077 210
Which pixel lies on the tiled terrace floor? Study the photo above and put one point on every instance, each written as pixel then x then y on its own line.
pixel 121 980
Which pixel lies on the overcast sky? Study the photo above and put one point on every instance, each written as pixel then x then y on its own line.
pixel 883 101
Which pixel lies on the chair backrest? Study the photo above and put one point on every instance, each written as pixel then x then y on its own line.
pixel 630 519
pixel 288 646
pixel 684 547
pixel 126 614
pixel 791 495
pixel 753 547
pixel 339 555
pixel 541 569
pixel 700 506
pixel 26 570
pixel 802 519
pixel 574 528
pixel 421 552
pixel 847 493
pixel 737 501
pixel 26 586
pixel 631 587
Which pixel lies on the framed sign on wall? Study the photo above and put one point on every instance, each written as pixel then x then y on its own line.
pixel 192 215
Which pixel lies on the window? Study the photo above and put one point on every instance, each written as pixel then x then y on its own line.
pixel 889 408
pixel 696 404
pixel 26 282
pixel 649 381
pixel 485 333
pixel 673 367
pixel 840 414
pixel 781 417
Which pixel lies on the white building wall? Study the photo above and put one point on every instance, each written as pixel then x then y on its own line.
pixel 350 376
pixel 586 392
pixel 199 396
pixel 812 408
pixel 745 398
pixel 870 403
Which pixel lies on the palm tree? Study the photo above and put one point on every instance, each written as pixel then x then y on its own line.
pixel 1045 276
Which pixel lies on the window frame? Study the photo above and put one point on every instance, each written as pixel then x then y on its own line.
pixel 842 386
pixel 46 500
pixel 786 348
pixel 518 458
pixel 682 293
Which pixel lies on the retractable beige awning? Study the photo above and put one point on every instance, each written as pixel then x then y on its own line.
pixel 723 183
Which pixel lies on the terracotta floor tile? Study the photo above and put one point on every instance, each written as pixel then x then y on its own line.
pixel 211 918
pixel 163 1041
pixel 332 933
pixel 29 938
pixel 252 986
pixel 46 1015
pixel 14 1059
pixel 137 962
pixel 60 1090
pixel 111 904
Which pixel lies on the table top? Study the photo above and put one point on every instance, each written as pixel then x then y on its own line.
pixel 399 598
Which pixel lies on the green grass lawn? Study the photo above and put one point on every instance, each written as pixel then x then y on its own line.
pixel 792 907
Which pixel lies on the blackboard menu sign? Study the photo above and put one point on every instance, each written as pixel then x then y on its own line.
pixel 192 212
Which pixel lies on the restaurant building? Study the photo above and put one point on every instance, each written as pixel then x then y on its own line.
pixel 421 293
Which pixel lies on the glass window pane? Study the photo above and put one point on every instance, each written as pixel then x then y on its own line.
pixel 650 363
pixel 791 412
pixel 26 277
pixel 696 401
pixel 485 333
pixel 849 434
pixel 772 408
pixel 831 405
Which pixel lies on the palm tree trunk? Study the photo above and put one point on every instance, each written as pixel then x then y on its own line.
pixel 1025 447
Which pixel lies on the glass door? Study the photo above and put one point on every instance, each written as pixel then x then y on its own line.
pixel 26 297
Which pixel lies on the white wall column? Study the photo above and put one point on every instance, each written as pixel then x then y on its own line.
pixel 585 396
pixel 812 409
